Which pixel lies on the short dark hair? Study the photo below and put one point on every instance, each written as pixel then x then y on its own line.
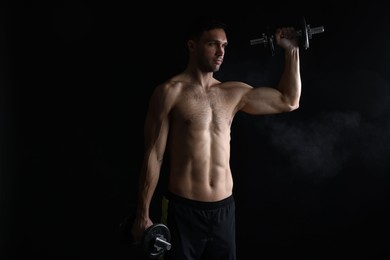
pixel 203 23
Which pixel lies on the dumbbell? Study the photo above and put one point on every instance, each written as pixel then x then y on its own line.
pixel 155 241
pixel 305 34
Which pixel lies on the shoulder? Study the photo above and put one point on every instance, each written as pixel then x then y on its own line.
pixel 169 86
pixel 235 86
pixel 168 90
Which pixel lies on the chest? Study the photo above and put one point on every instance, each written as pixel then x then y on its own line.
pixel 204 109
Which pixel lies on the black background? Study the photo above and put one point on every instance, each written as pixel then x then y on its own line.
pixel 76 77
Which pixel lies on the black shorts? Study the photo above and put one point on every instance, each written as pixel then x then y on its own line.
pixel 200 230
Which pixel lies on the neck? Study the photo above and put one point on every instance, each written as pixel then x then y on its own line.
pixel 199 77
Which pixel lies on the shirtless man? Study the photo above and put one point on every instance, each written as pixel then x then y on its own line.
pixel 190 117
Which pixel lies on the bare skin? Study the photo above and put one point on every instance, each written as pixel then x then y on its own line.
pixel 190 117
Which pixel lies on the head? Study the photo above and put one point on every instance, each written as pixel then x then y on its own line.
pixel 206 42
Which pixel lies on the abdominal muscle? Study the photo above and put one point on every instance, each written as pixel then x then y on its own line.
pixel 199 163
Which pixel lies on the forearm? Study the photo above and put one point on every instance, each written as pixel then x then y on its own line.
pixel 147 185
pixel 290 82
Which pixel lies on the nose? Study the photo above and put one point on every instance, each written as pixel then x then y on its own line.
pixel 220 50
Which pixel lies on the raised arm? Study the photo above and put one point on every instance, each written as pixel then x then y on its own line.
pixel 286 96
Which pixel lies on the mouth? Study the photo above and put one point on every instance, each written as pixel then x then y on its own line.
pixel 218 62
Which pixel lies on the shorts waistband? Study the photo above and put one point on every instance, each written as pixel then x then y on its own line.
pixel 199 204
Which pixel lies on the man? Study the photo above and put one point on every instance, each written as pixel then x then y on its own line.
pixel 190 117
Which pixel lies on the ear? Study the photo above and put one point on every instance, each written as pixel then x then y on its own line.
pixel 191 45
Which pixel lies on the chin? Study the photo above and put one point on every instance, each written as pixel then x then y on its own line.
pixel 216 69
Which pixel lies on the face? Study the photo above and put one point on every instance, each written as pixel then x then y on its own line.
pixel 210 50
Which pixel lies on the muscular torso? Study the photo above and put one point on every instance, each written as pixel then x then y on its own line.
pixel 199 143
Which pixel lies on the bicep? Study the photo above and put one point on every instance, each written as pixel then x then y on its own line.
pixel 157 124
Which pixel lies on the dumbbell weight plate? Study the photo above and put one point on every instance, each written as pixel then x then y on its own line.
pixel 154 232
pixel 305 34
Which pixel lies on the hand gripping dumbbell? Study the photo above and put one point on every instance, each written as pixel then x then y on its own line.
pixel 305 34
pixel 155 241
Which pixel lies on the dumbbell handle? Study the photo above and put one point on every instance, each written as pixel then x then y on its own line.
pixel 262 40
pixel 310 31
pixel 162 243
